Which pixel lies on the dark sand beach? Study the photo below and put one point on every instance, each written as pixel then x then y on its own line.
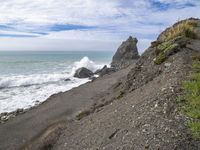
pixel 58 108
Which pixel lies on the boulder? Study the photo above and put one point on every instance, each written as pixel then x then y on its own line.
pixel 68 79
pixel 126 54
pixel 83 73
pixel 104 70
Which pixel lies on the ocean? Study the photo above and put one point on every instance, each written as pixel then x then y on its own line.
pixel 29 78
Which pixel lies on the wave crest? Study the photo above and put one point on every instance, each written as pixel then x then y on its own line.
pixel 36 79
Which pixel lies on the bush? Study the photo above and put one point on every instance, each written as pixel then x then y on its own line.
pixel 160 59
pixel 164 50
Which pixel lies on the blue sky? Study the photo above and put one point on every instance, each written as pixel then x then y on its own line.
pixel 87 24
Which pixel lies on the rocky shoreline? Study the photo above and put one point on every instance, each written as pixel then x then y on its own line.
pixel 133 107
pixel 121 60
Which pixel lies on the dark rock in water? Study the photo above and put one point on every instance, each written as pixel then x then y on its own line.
pixel 126 54
pixel 67 79
pixel 104 70
pixel 83 73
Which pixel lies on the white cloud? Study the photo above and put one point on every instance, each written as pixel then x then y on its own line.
pixel 115 21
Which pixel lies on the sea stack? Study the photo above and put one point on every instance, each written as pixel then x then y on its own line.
pixel 126 54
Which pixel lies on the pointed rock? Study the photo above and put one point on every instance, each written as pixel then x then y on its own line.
pixel 126 54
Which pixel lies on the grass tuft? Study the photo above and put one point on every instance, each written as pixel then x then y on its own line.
pixel 164 50
pixel 160 59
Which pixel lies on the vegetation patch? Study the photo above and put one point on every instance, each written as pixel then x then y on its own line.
pixel 173 40
pixel 191 100
pixel 164 50
pixel 160 59
pixel 185 29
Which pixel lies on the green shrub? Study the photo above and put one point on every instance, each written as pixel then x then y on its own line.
pixel 160 59
pixel 164 50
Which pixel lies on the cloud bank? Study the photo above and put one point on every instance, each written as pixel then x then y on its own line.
pixel 87 24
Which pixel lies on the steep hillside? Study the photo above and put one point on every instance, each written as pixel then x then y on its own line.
pixel 143 110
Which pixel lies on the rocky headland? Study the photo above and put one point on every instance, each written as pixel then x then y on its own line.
pixel 142 102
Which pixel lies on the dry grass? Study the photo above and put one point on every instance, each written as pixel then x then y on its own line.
pixel 185 29
pixel 173 39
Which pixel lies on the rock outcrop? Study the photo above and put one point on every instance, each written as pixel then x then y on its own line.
pixel 105 70
pixel 126 54
pixel 83 73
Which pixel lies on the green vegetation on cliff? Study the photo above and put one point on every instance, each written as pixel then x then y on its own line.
pixel 191 99
pixel 173 37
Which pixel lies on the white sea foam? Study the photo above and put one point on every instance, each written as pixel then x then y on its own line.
pixel 24 91
pixel 87 63
pixel 26 97
pixel 34 79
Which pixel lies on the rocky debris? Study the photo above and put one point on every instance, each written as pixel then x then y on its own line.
pixel 105 70
pixel 126 54
pixel 83 73
pixel 6 116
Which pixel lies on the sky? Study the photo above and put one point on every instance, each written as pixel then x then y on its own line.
pixel 79 25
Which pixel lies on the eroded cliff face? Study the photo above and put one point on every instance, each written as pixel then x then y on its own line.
pixel 182 36
pixel 126 54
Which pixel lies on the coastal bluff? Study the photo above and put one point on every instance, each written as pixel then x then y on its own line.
pixel 142 105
